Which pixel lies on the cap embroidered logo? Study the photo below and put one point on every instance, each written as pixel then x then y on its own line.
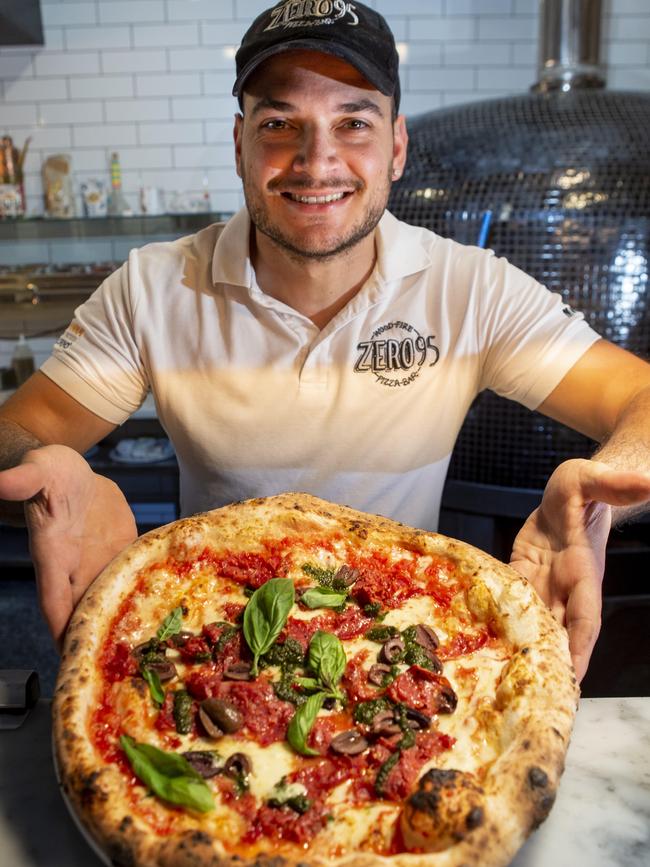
pixel 311 12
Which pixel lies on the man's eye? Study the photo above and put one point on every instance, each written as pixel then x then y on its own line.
pixel 274 124
pixel 356 123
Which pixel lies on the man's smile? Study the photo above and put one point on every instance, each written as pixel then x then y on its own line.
pixel 316 200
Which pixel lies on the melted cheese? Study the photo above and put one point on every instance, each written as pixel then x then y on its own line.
pixel 269 764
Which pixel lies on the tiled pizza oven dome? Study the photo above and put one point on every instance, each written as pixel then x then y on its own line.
pixel 565 177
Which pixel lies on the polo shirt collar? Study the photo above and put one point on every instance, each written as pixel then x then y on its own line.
pixel 400 251
pixel 231 262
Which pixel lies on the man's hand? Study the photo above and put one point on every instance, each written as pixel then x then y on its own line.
pixel 78 521
pixel 561 547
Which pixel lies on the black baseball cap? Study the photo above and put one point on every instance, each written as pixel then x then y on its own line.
pixel 348 30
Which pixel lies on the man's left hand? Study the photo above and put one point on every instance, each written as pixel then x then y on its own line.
pixel 561 547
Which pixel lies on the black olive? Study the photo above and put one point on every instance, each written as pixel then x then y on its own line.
pixel 349 743
pixel 426 637
pixel 238 671
pixel 237 766
pixel 392 651
pixel 346 576
pixel 210 728
pixel 223 714
pixel 203 762
pixel 416 719
pixel 447 700
pixel 165 669
pixel 377 673
pixel 384 723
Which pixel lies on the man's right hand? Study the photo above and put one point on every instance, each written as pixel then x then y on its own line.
pixel 77 520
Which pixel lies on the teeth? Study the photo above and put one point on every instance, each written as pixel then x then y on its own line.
pixel 316 200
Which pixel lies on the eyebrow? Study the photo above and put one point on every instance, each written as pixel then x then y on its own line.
pixel 361 105
pixel 267 102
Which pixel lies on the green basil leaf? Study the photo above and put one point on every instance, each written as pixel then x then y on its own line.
pixel 155 687
pixel 302 722
pixel 171 625
pixel 323 597
pixel 327 658
pixel 266 614
pixel 168 775
pixel 310 683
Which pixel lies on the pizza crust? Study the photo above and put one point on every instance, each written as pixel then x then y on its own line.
pixel 536 698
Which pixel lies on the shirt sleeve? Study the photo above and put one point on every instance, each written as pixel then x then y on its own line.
pixel 96 360
pixel 529 337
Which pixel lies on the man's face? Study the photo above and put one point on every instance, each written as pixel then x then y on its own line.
pixel 317 151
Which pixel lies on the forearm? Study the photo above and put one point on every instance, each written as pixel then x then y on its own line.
pixel 14 442
pixel 628 448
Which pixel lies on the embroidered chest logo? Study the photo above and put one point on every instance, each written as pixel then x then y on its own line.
pixel 309 13
pixel 396 354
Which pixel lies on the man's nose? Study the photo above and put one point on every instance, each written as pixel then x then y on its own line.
pixel 317 153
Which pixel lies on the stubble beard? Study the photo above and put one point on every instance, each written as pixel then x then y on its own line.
pixel 329 248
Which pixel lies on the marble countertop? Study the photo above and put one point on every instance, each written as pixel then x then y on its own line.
pixel 601 817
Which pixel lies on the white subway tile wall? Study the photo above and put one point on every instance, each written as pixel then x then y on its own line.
pixel 151 79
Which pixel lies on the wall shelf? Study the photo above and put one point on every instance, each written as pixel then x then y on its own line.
pixel 85 227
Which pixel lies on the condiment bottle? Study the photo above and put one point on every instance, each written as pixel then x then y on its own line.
pixel 22 360
pixel 118 206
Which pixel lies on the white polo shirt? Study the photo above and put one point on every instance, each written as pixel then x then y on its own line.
pixel 257 400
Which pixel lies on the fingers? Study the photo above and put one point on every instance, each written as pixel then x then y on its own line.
pixel 589 481
pixel 615 487
pixel 21 483
pixel 583 617
pixel 55 598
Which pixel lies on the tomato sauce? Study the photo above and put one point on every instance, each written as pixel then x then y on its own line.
pixel 384 581
pixel 438 585
pixel 283 823
pixel 116 661
pixel 233 611
pixel 401 780
pixel 245 568
pixel 351 623
pixel 266 716
pixel 419 688
pixel 204 682
pixel 355 679
pixel 463 643
pixel 106 728
pixel 165 719
pixel 325 728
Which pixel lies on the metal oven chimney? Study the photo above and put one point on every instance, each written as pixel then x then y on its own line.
pixel 569 45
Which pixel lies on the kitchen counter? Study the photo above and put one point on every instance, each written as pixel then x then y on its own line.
pixel 601 817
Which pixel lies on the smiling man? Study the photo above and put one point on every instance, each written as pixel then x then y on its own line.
pixel 316 343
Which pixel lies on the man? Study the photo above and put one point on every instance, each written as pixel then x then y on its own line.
pixel 254 339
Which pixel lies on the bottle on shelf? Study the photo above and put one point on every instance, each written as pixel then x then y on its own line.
pixel 12 190
pixel 22 360
pixel 118 206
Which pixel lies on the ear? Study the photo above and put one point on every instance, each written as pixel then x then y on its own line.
pixel 400 145
pixel 237 136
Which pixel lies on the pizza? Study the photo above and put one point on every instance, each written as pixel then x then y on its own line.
pixel 285 681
